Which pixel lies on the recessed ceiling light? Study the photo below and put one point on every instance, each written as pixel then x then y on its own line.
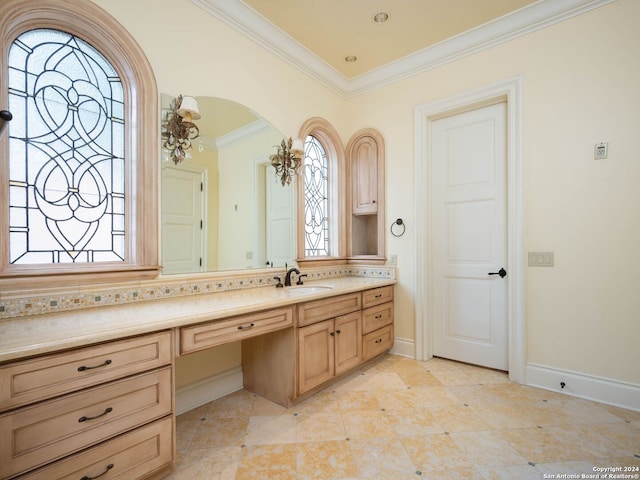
pixel 381 17
pixel 350 58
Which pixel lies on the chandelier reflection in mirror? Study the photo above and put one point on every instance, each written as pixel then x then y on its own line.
pixel 288 159
pixel 179 130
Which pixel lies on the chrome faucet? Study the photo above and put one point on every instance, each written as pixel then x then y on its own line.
pixel 287 278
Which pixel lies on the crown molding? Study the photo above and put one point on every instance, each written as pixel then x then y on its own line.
pixel 240 134
pixel 537 16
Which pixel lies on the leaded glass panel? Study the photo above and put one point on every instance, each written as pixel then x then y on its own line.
pixel 316 201
pixel 66 152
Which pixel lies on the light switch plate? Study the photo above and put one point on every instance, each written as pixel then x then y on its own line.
pixel 541 259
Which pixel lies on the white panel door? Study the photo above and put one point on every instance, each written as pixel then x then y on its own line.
pixel 182 221
pixel 469 228
pixel 280 226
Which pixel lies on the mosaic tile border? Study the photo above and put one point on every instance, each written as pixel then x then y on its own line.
pixel 40 303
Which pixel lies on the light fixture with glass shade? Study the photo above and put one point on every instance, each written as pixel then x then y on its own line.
pixel 179 130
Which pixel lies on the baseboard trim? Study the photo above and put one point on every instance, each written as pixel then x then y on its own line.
pixel 208 389
pixel 589 387
pixel 403 347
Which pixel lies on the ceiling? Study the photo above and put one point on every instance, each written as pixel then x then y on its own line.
pixel 315 36
pixel 333 29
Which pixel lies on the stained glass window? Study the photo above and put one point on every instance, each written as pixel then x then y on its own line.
pixel 66 152
pixel 316 201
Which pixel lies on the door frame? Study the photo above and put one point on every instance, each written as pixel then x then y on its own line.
pixel 510 91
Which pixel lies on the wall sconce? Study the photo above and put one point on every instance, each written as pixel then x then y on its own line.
pixel 288 159
pixel 179 128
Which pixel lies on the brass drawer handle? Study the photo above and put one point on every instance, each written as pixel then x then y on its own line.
pixel 87 477
pixel 378 295
pixel 378 316
pixel 84 419
pixel 83 368
pixel 246 327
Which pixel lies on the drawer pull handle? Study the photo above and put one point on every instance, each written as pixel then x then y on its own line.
pixel 84 419
pixel 87 477
pixel 246 327
pixel 378 316
pixel 378 295
pixel 83 367
pixel 379 340
pixel 338 332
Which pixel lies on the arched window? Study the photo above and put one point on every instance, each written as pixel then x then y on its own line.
pixel 321 229
pixel 79 194
pixel 316 199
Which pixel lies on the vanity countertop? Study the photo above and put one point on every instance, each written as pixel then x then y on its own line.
pixel 22 337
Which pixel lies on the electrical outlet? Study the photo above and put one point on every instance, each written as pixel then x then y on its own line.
pixel 393 259
pixel 600 151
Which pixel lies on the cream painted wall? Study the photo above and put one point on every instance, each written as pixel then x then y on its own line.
pixel 581 82
pixel 581 87
pixel 240 185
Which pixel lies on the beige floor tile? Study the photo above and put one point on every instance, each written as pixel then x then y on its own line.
pixel 271 430
pixel 519 472
pixel 272 462
pixel 419 421
pixel 487 449
pixel 220 432
pixel 205 463
pixel 395 419
pixel 325 460
pixel 367 424
pixel 381 457
pixel 548 444
pixel 434 453
pixel 459 418
pixel 237 404
pixel 322 426
pixel 358 400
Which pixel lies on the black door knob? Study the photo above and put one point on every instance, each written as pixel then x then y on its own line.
pixel 502 272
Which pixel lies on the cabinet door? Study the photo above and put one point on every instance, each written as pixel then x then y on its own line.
pixel 364 176
pixel 316 354
pixel 348 341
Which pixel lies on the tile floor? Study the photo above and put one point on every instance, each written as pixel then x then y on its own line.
pixel 400 419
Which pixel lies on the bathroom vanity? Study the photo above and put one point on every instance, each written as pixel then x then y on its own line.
pixel 89 392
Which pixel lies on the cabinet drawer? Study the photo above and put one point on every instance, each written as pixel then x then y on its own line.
pixel 28 381
pixel 312 312
pixel 38 434
pixel 205 335
pixel 377 342
pixel 128 456
pixel 376 296
pixel 377 317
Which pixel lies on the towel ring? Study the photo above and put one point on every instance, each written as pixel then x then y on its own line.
pixel 401 224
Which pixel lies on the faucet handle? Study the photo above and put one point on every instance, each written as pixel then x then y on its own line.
pixel 279 284
pixel 299 282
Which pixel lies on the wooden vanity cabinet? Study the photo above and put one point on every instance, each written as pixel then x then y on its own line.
pixel 365 170
pixel 95 410
pixel 331 337
pixel 327 349
pixel 377 321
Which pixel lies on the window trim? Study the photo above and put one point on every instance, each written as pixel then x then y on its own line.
pixel 337 179
pixel 92 24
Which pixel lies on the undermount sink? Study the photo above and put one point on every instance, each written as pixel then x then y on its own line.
pixel 306 289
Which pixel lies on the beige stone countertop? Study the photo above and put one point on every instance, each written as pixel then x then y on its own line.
pixel 22 337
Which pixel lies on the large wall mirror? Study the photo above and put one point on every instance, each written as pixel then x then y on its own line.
pixel 222 208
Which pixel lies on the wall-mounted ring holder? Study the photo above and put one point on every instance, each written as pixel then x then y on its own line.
pixel 399 231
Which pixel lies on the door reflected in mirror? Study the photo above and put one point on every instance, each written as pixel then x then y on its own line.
pixel 223 208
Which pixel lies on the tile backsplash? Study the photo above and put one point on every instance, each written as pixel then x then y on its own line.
pixel 50 301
